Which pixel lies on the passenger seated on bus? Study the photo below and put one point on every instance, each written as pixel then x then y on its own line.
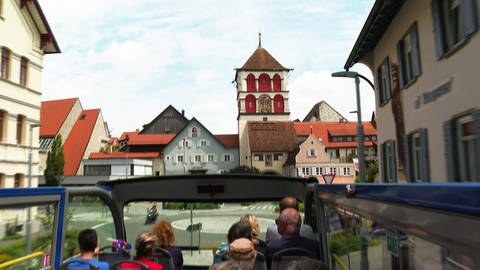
pixel 145 245
pixel 226 265
pixel 88 244
pixel 259 243
pixel 272 230
pixel 240 229
pixel 307 263
pixel 242 252
pixel 289 227
pixel 166 239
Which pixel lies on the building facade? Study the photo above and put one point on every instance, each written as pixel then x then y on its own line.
pixel 26 37
pixel 424 57
pixel 262 94
pixel 196 150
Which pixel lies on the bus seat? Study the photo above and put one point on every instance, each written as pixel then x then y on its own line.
pixel 113 254
pixel 65 265
pixel 283 258
pixel 163 257
pixel 128 265
pixel 260 263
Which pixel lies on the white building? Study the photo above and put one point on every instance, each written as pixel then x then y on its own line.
pixel 25 37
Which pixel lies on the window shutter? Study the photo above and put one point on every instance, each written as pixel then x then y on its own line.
pixel 408 161
pixel 389 78
pixel 476 119
pixel 448 127
pixel 424 160
pixel 469 17
pixel 394 162
pixel 400 64
pixel 417 69
pixel 437 29
pixel 180 143
pixel 192 158
pixel 231 157
pixel 383 151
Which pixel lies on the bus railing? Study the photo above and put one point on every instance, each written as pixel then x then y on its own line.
pixel 20 260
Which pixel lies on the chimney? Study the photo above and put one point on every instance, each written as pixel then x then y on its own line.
pixel 183 112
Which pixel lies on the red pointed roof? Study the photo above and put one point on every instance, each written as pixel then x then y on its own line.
pixel 77 142
pixel 229 140
pixel 120 155
pixel 325 129
pixel 261 59
pixel 52 115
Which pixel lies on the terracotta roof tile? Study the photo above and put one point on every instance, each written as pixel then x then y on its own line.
pixel 52 115
pixel 134 138
pixel 262 60
pixel 272 136
pixel 77 142
pixel 229 140
pixel 120 155
pixel 324 129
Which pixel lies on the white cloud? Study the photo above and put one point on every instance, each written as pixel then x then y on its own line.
pixel 134 58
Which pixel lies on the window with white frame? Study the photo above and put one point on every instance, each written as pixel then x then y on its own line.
pixel 462 147
pixel 384 82
pixel 227 158
pixel 408 53
pixel 23 71
pixel 312 152
pixel 268 160
pixel 453 21
pixel 194 132
pixel 211 158
pixel 180 158
pixel 203 143
pixel 198 158
pixel 277 156
pixel 4 63
pixel 258 157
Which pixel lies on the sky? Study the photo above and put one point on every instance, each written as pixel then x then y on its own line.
pixel 132 59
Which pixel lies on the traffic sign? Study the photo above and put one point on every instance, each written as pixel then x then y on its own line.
pixel 328 178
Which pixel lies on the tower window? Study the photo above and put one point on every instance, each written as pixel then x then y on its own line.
pixel 278 104
pixel 277 83
pixel 250 105
pixel 251 83
pixel 264 82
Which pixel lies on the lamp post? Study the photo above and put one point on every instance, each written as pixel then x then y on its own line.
pixel 360 146
pixel 28 225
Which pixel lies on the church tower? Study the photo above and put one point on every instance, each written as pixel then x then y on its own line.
pixel 262 94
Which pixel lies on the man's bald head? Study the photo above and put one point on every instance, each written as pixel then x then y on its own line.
pixel 288 202
pixel 289 221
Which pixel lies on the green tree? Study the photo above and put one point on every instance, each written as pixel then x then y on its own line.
pixel 55 163
pixel 245 170
pixel 370 173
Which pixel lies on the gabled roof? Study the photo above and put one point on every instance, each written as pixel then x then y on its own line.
pixel 261 59
pixel 169 112
pixel 53 114
pixel 274 136
pixel 315 111
pixel 229 140
pixel 121 155
pixel 147 139
pixel 78 139
pixel 47 40
pixel 382 14
pixel 323 130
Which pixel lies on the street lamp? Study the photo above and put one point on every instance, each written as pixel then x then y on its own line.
pixel 28 225
pixel 360 150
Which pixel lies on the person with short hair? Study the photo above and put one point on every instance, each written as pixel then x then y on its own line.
pixel 289 227
pixel 240 229
pixel 272 230
pixel 242 252
pixel 166 240
pixel 88 244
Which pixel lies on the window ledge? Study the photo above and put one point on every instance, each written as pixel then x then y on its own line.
pixel 410 83
pixel 455 48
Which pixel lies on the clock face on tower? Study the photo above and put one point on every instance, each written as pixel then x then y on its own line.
pixel 265 104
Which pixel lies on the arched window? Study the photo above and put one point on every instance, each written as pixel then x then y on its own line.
pixel 3 121
pixel 251 83
pixel 278 104
pixel 19 180
pixel 264 82
pixel 20 128
pixel 250 104
pixel 277 83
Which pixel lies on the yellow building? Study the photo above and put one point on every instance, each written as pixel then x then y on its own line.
pixel 25 37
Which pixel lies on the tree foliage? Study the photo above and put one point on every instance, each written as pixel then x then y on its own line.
pixel 55 163
pixel 245 170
